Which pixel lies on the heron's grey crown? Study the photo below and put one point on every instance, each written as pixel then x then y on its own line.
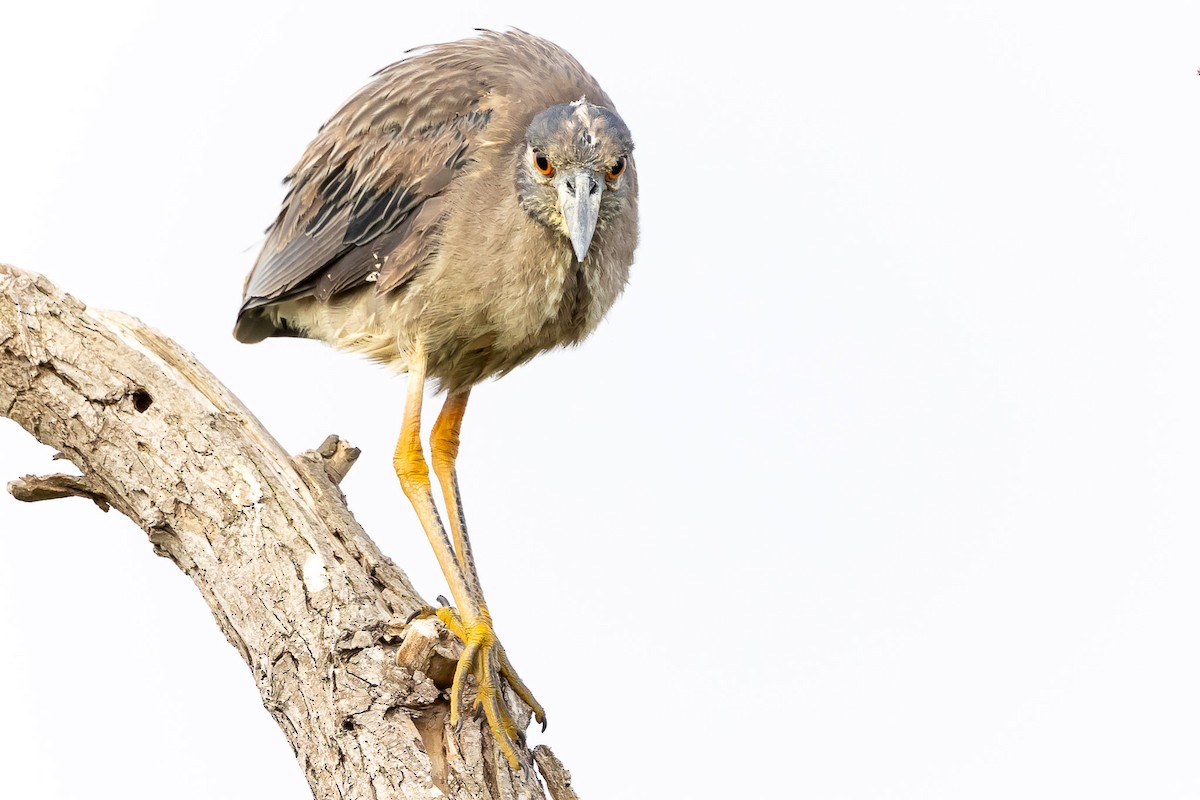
pixel 588 132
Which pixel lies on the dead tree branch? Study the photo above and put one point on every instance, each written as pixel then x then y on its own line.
pixel 296 585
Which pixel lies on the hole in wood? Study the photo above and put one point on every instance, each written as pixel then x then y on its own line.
pixel 141 400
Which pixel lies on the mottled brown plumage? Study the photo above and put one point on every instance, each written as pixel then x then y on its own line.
pixel 404 219
pixel 473 206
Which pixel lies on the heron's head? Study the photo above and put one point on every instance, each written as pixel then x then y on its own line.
pixel 576 171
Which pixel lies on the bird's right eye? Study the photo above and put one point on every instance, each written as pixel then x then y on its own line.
pixel 543 164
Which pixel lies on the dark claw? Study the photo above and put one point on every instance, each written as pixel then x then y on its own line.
pixel 543 724
pixel 442 601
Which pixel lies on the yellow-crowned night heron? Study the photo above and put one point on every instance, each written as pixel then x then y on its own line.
pixel 473 206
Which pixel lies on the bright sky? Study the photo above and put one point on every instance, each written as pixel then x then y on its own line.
pixel 879 482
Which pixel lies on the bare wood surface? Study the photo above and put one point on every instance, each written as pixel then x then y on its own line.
pixel 320 616
pixel 558 780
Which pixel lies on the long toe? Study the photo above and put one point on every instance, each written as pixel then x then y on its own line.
pixel 484 660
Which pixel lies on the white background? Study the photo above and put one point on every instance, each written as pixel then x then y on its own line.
pixel 880 481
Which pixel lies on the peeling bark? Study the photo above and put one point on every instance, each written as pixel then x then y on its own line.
pixel 332 631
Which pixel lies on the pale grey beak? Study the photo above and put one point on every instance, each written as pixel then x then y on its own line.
pixel 579 193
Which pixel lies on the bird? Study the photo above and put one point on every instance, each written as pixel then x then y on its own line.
pixel 474 205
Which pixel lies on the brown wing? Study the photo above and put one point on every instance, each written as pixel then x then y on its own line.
pixel 358 205
pixel 364 203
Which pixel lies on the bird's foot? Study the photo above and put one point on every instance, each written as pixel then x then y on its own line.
pixel 484 658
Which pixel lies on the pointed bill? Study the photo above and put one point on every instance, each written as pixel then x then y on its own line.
pixel 579 192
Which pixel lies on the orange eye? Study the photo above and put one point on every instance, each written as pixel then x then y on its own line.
pixel 543 164
pixel 616 170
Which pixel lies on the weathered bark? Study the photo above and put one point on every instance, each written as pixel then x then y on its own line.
pixel 316 611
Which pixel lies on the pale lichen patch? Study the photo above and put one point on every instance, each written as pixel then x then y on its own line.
pixel 314 574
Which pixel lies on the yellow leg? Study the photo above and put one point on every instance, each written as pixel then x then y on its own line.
pixel 413 472
pixel 483 656
pixel 443 446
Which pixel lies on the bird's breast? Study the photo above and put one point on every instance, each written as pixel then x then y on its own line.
pixel 544 304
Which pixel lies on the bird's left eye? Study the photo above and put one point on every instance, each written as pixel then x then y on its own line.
pixel 615 171
pixel 543 164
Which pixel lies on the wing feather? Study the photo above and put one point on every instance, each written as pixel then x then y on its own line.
pixel 355 194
